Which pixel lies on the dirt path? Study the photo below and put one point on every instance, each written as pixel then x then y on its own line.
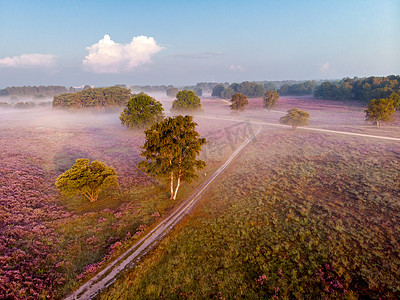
pixel 234 119
pixel 107 276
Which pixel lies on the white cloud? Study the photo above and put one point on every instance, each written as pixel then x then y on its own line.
pixel 28 61
pixel 324 67
pixel 107 56
pixel 236 68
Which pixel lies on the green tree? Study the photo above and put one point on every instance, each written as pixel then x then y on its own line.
pixel 271 99
pixel 170 150
pixel 295 117
pixel 141 111
pixel 94 98
pixel 86 179
pixel 239 102
pixel 396 100
pixel 217 90
pixel 378 111
pixel 186 101
pixel 171 92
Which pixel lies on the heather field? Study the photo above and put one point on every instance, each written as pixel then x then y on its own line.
pixel 49 244
pixel 298 215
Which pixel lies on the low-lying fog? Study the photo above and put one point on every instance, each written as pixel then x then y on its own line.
pixel 323 114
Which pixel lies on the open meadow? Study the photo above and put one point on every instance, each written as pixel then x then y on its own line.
pixel 299 214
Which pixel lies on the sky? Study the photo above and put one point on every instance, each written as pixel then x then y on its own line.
pixel 102 43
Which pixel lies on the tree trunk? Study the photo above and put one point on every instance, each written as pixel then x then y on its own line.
pixel 177 187
pixel 171 176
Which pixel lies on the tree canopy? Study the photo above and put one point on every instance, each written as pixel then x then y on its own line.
pixel 295 117
pixel 86 179
pixel 298 89
pixel 186 101
pixel 114 96
pixel 141 111
pixel 271 99
pixel 217 90
pixel 364 89
pixel 246 88
pixel 239 102
pixel 381 110
pixel 170 150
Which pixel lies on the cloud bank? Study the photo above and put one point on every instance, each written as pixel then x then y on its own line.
pixel 236 68
pixel 107 56
pixel 29 61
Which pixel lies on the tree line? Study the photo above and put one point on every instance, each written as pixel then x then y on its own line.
pixel 33 91
pixel 364 89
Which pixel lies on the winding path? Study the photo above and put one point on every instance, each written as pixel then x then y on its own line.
pixel 107 276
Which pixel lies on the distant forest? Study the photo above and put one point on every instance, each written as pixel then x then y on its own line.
pixel 33 91
pixel 363 89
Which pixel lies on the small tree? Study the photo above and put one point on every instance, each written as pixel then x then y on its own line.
pixel 295 117
pixel 86 179
pixel 271 99
pixel 186 101
pixel 141 111
pixel 380 111
pixel 239 102
pixel 171 148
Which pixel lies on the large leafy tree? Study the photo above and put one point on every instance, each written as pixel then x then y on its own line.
pixel 295 117
pixel 186 101
pixel 86 179
pixel 141 111
pixel 239 102
pixel 270 99
pixel 109 97
pixel 381 110
pixel 170 150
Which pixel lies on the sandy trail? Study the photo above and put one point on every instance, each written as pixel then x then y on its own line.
pixel 234 119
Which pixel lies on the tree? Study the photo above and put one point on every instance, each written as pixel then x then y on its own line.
pixel 171 92
pixel 86 179
pixel 109 97
pixel 295 117
pixel 396 100
pixel 378 111
pixel 228 93
pixel 270 99
pixel 141 111
pixel 239 102
pixel 217 90
pixel 170 150
pixel 186 101
pixel 198 91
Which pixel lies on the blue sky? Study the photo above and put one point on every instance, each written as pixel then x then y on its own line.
pixel 184 42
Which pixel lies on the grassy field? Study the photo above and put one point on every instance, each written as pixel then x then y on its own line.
pixel 298 215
